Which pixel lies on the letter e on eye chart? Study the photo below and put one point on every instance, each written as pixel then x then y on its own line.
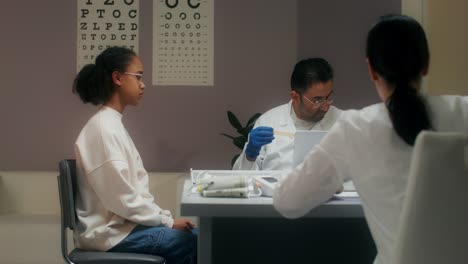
pixel 183 42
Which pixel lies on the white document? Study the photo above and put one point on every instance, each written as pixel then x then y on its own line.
pixel 348 190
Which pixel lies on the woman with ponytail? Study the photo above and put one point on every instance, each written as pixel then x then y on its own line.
pixel 116 211
pixel 373 146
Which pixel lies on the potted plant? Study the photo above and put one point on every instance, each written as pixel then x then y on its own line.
pixel 240 140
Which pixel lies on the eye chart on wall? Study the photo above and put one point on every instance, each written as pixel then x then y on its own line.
pixel 183 42
pixel 105 23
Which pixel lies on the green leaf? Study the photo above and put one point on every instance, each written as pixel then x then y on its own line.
pixel 226 135
pixel 253 119
pixel 239 142
pixel 244 132
pixel 234 160
pixel 249 128
pixel 234 121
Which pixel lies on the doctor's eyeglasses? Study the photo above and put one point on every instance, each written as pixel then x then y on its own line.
pixel 319 102
pixel 139 76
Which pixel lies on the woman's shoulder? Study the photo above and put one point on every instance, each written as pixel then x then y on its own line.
pixel 449 112
pixel 364 124
pixel 368 114
pixel 453 102
pixel 448 105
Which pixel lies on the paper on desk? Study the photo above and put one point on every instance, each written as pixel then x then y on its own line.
pixel 347 195
pixel 349 186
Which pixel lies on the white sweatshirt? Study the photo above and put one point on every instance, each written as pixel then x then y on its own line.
pixel 113 194
pixel 364 146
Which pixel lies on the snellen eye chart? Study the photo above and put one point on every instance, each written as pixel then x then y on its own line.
pixel 105 23
pixel 183 42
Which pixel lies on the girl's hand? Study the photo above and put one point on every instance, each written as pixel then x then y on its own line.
pixel 183 225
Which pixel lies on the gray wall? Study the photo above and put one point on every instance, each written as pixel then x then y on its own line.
pixel 336 30
pixel 174 128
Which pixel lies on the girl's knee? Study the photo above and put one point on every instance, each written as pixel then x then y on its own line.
pixel 181 238
pixel 182 247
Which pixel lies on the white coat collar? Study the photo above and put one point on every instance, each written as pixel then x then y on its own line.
pixel 285 118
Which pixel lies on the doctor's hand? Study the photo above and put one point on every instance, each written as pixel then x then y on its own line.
pixel 183 225
pixel 257 138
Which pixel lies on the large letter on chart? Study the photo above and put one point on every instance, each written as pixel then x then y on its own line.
pixel 105 23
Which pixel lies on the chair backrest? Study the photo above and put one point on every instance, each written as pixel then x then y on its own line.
pixel 67 190
pixel 67 186
pixel 434 223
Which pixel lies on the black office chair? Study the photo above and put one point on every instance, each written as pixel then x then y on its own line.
pixel 67 184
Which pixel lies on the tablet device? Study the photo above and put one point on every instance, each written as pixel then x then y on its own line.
pixel 304 141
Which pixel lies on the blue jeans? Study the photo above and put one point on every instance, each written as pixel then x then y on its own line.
pixel 177 247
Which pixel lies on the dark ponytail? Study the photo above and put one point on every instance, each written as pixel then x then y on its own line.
pixel 397 50
pixel 94 81
pixel 408 113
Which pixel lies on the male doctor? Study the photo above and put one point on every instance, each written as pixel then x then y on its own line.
pixel 271 141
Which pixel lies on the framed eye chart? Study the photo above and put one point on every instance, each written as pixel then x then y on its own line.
pixel 104 23
pixel 183 42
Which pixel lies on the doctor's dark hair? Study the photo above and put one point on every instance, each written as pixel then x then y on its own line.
pixel 94 82
pixel 397 50
pixel 310 71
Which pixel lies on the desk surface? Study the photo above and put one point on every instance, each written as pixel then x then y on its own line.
pixel 192 204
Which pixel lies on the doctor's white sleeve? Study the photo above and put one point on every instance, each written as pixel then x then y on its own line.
pixel 111 183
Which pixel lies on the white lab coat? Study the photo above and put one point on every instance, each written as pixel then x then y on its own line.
pixel 278 154
pixel 364 146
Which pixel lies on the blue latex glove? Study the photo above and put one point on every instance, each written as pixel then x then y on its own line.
pixel 257 138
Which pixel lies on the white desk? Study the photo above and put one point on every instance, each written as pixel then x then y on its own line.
pixel 207 208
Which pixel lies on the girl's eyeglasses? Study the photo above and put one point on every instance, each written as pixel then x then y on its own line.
pixel 139 76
